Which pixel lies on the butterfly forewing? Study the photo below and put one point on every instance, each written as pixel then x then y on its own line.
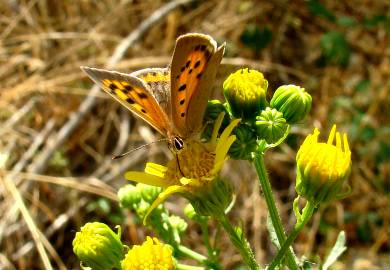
pixel 134 93
pixel 194 64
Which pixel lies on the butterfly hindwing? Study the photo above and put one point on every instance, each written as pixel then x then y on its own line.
pixel 159 82
pixel 193 69
pixel 134 93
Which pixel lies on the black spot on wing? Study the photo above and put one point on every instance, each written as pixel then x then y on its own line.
pixel 142 95
pixel 207 54
pixel 182 114
pixel 130 100
pixel 182 101
pixel 143 110
pixel 197 64
pixel 112 86
pixel 182 87
pixel 188 63
pixel 199 75
pixel 127 89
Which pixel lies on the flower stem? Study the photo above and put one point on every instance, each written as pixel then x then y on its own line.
pixel 192 254
pixel 273 211
pixel 307 213
pixel 240 243
pixel 188 267
pixel 206 240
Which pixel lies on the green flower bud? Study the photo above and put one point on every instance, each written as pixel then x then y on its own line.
pixel 142 208
pixel 322 168
pixel 293 101
pixel 98 247
pixel 245 91
pixel 214 108
pixel 189 212
pixel 245 143
pixel 270 125
pixel 128 196
pixel 148 193
pixel 177 223
pixel 211 199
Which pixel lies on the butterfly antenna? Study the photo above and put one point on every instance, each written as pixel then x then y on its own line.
pixel 137 148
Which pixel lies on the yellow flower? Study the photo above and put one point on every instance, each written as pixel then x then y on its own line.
pixel 192 169
pixel 150 255
pixel 323 167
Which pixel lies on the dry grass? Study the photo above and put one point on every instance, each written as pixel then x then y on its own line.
pixel 57 137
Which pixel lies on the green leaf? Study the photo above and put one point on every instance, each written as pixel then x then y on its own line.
pixel 370 22
pixel 272 233
pixel 363 85
pixel 368 133
pixel 346 21
pixel 384 152
pixel 335 48
pixel 338 249
pixel 307 265
pixel 256 38
pixel 241 267
pixel 318 9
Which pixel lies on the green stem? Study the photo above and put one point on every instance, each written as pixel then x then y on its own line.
pixel 307 213
pixel 188 267
pixel 212 254
pixel 240 243
pixel 205 235
pixel 273 211
pixel 192 254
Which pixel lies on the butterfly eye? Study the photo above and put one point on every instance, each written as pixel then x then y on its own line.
pixel 178 143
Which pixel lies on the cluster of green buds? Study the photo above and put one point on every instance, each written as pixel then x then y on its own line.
pixel 138 197
pixel 261 120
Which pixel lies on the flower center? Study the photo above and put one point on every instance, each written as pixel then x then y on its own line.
pixel 195 161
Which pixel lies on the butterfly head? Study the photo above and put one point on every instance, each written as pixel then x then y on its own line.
pixel 176 143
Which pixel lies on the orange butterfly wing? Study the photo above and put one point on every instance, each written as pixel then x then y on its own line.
pixel 135 94
pixel 193 69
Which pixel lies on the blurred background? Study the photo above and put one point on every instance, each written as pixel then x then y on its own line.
pixel 58 134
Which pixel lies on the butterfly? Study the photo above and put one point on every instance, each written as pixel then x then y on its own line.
pixel 172 100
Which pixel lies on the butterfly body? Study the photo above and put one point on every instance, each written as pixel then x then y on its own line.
pixel 172 100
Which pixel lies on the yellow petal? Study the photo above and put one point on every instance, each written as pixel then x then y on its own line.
pixel 146 178
pixel 217 126
pixel 331 135
pixel 162 197
pixel 155 169
pixel 228 130
pixel 346 145
pixel 221 154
